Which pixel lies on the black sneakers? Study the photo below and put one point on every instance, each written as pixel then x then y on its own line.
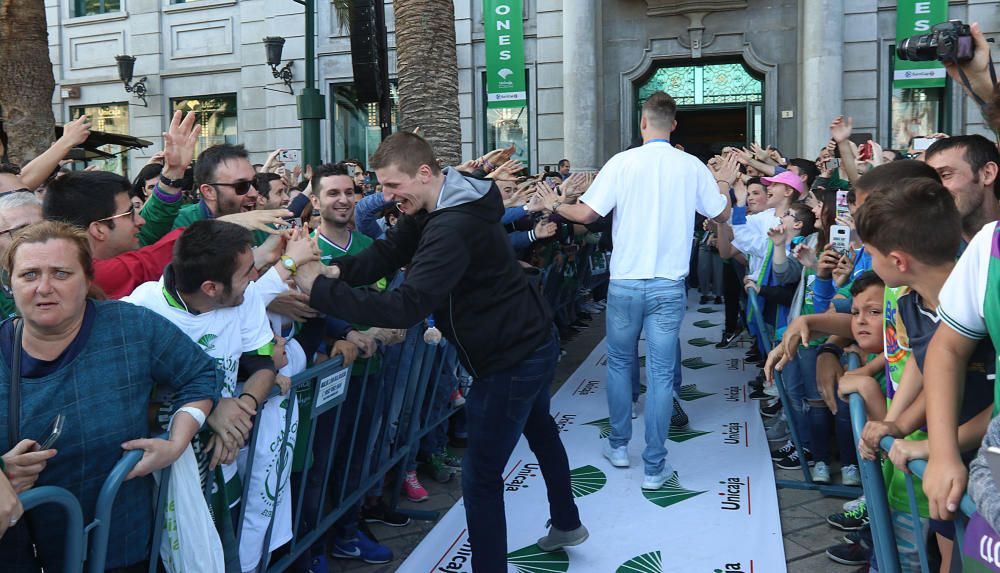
pixel 381 513
pixel 792 461
pixel 854 520
pixel 849 554
pixel 728 338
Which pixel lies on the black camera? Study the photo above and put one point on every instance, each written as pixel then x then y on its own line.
pixel 949 41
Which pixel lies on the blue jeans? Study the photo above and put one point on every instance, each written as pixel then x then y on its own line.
pixel 499 408
pixel 656 306
pixel 795 378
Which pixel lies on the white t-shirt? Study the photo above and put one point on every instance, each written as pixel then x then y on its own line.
pixel 224 333
pixel 654 191
pixel 963 296
pixel 751 239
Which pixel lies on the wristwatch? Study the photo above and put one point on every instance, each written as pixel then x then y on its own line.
pixel 555 205
pixel 289 263
pixel 176 183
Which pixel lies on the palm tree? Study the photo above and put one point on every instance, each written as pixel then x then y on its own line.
pixel 26 81
pixel 427 71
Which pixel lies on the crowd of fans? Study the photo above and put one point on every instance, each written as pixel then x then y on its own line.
pixel 168 306
pixel 889 255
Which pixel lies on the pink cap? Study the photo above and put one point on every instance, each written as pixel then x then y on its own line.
pixel 788 178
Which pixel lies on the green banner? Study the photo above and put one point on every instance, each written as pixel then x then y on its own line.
pixel 504 32
pixel 915 17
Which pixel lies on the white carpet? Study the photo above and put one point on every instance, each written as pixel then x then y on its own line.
pixel 722 517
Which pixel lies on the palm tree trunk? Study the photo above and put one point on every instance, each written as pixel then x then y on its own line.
pixel 26 81
pixel 427 70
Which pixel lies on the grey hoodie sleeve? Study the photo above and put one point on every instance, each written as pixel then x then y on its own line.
pixel 788 273
pixel 982 488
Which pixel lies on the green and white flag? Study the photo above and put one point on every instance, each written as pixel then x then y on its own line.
pixel 914 17
pixel 504 30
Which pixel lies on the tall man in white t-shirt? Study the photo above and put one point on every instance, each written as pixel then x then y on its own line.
pixel 654 191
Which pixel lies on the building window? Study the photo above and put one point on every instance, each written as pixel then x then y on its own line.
pixel 508 126
pixel 698 85
pixel 92 7
pixel 109 118
pixel 915 112
pixel 356 131
pixel 216 115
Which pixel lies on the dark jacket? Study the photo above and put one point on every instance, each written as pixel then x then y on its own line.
pixel 460 267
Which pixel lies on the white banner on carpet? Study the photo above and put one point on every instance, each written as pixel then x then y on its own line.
pixel 721 516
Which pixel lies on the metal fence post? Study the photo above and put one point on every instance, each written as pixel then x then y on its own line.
pixel 74 520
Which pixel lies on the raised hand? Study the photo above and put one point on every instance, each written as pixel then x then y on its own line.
pixel 727 170
pixel 179 143
pixel 506 171
pixel 545 229
pixel 841 128
pixel 977 69
pixel 76 132
pixel 267 220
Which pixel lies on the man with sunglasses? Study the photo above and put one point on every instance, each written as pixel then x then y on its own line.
pixel 225 180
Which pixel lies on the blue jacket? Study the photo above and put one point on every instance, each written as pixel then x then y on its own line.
pixel 104 393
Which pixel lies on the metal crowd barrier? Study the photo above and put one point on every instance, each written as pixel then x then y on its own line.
pixel 877 503
pixel 73 525
pixel 418 368
pixel 807 483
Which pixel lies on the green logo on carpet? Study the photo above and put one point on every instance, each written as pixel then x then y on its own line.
pixel 670 493
pixel 691 392
pixel 604 424
pixel 531 559
pixel 679 435
pixel 696 363
pixel 705 324
pixel 700 342
pixel 707 310
pixel 586 480
pixel 645 563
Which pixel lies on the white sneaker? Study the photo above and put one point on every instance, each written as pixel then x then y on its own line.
pixel 854 504
pixel 635 410
pixel 617 456
pixel 657 481
pixel 850 475
pixel 821 473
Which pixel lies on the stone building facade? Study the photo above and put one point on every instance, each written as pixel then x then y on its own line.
pixel 771 71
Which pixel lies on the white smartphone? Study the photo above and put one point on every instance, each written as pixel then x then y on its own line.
pixel 840 238
pixel 922 143
pixel 993 459
pixel 288 155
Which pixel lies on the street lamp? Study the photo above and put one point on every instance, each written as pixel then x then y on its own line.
pixel 273 46
pixel 126 65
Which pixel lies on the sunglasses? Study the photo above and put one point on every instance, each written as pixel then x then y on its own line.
pixel 240 187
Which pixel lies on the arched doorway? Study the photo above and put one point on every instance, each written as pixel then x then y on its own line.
pixel 719 104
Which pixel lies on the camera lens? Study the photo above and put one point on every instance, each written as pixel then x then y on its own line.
pixel 921 48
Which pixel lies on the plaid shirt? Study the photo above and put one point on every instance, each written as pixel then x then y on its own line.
pixel 104 393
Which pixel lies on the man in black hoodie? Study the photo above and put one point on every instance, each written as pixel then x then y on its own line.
pixel 461 267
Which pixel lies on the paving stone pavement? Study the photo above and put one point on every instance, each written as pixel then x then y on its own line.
pixel 803 513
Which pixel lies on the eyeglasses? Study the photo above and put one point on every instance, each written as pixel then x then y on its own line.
pixel 10 232
pixel 240 187
pixel 129 213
